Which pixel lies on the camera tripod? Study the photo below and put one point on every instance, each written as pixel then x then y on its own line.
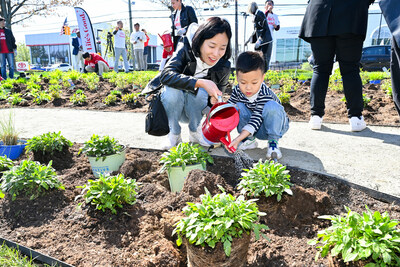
pixel 110 44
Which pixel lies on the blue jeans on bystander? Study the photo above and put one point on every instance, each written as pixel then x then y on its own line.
pixel 10 59
pixel 275 121
pixel 181 105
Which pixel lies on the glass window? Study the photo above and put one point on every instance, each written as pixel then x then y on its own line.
pixel 40 55
pixel 59 54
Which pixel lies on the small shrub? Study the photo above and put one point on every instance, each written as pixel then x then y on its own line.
pixel 386 86
pixel 185 154
pixel 74 75
pixel 33 86
pixel 8 85
pixel 21 81
pixel 219 218
pixel 91 80
pixel 8 132
pixel 110 192
pixel 35 78
pixel 377 75
pixel 48 143
pixel 289 85
pixel 115 92
pixel 15 99
pixel 41 97
pixel 30 178
pixel 366 100
pixel 55 91
pixel 54 82
pixel 110 100
pixel 284 97
pixel 130 98
pixel 101 147
pixel 78 98
pixel 4 94
pixel 356 237
pixel 265 178
pixel 56 74
pixel 121 82
pixel 5 163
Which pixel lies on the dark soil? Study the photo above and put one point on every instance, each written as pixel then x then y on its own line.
pixel 141 235
pixel 379 111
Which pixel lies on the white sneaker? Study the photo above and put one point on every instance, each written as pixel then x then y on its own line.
pixel 315 122
pixel 173 140
pixel 250 143
pixel 357 124
pixel 198 138
pixel 273 150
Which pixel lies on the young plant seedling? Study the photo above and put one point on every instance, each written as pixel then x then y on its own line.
pixel 100 147
pixel 48 143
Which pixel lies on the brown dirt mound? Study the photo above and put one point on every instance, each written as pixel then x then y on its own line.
pixel 197 180
pixel 60 159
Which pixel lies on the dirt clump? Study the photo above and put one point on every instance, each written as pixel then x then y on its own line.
pixel 197 180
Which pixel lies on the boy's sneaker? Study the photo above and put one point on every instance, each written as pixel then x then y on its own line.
pixel 273 150
pixel 198 138
pixel 315 122
pixel 173 140
pixel 249 143
pixel 357 124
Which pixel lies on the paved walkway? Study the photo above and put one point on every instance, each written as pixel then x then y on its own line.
pixel 370 158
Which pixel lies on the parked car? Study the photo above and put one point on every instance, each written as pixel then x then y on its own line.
pixel 374 58
pixel 60 66
pixel 36 67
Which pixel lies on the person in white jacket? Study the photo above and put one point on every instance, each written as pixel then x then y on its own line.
pixel 138 38
pixel 120 46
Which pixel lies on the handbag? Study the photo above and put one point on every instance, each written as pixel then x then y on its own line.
pixel 156 118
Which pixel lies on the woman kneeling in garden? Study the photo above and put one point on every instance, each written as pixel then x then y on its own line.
pixel 199 68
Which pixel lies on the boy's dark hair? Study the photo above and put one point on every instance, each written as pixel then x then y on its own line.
pixel 250 61
pixel 208 30
pixel 137 24
pixel 270 1
pixel 86 55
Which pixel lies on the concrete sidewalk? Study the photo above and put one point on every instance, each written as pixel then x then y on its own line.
pixel 370 158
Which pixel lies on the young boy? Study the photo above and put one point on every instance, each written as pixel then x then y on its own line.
pixel 261 114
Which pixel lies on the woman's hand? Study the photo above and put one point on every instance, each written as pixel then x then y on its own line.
pixel 210 87
pixel 235 143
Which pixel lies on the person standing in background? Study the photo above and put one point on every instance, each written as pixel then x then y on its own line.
pixel 273 23
pixel 77 52
pixel 120 46
pixel 7 47
pixel 168 49
pixel 146 49
pixel 391 12
pixel 181 17
pixel 336 28
pixel 262 33
pixel 137 39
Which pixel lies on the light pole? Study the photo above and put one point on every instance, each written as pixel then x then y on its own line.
pixel 130 3
pixel 245 15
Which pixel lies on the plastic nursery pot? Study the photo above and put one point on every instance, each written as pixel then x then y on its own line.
pixel 275 86
pixel 110 164
pixel 375 81
pixel 199 256
pixel 177 176
pixel 13 151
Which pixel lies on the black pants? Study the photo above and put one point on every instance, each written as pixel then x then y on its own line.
pixel 348 49
pixel 395 71
pixel 267 51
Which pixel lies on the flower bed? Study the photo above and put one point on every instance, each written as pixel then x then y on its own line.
pixel 141 234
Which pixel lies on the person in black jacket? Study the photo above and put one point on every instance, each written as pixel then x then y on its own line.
pixel 336 28
pixel 78 51
pixel 181 17
pixel 7 47
pixel 200 67
pixel 262 33
pixel 391 12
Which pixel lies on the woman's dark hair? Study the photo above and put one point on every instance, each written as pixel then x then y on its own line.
pixel 250 61
pixel 86 55
pixel 208 30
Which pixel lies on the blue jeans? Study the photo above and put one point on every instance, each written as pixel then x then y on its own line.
pixel 275 121
pixel 183 106
pixel 10 58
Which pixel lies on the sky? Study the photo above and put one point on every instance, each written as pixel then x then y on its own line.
pixel 153 17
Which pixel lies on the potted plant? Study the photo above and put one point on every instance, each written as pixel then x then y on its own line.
pixel 10 145
pixel 370 237
pixel 105 154
pixel 217 230
pixel 180 160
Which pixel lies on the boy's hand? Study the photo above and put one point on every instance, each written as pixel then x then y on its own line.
pixel 235 143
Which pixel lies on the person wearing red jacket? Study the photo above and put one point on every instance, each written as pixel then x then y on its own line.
pixel 146 49
pixel 95 63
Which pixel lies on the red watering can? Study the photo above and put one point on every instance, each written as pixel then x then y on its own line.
pixel 220 121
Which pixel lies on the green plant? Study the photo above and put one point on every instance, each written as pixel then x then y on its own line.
pixel 30 178
pixel 56 74
pixel 91 80
pixel 21 80
pixel 48 143
pixel 366 100
pixel 55 91
pixel 219 218
pixel 121 82
pixel 54 81
pixel 8 85
pixel 33 86
pixel 110 192
pixel 8 133
pixel 130 97
pixel 288 85
pixel 5 163
pixel 386 86
pixel 78 98
pixel 3 94
pixel 268 178
pixel 15 99
pixel 115 92
pixel 185 154
pixel 101 147
pixel 41 97
pixel 377 75
pixel 284 97
pixel 74 75
pixel 11 257
pixel 343 99
pixel 35 78
pixel 110 100
pixel 360 237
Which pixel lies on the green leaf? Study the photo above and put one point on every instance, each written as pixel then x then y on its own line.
pixel 227 248
pixel 1 194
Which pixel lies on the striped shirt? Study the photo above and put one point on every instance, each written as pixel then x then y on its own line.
pixel 256 107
